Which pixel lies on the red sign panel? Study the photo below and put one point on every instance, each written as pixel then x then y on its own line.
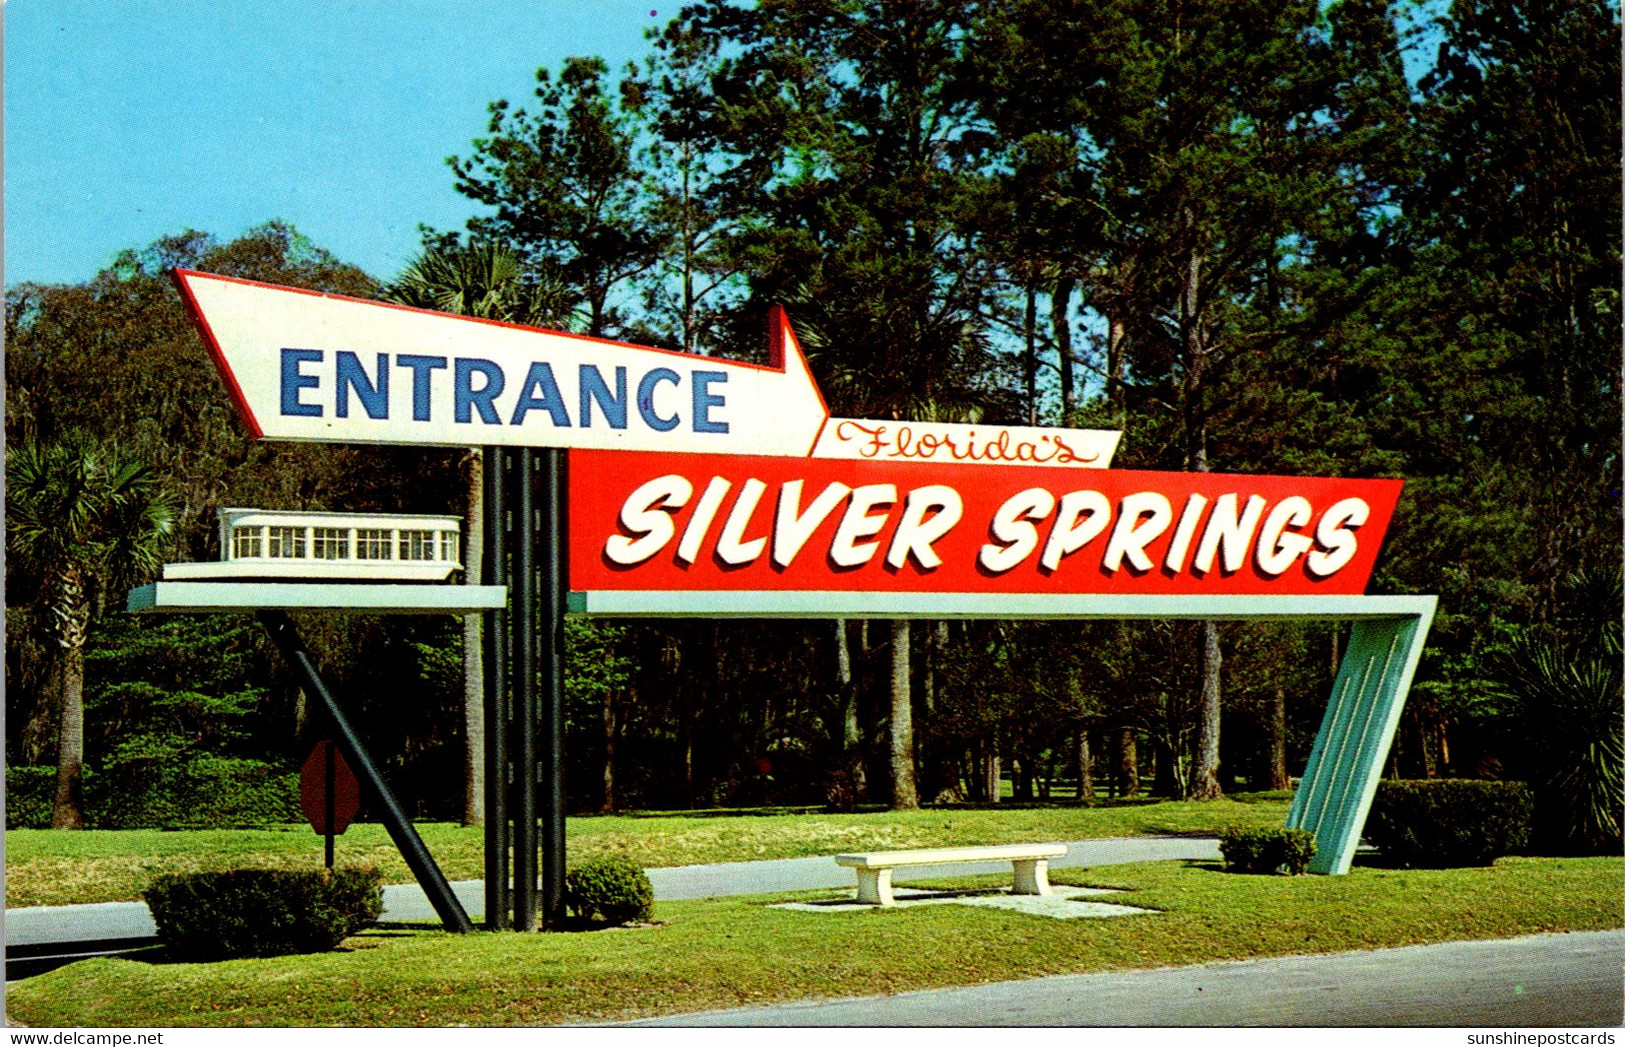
pixel 653 521
pixel 314 783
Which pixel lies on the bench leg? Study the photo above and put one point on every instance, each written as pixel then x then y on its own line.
pixel 874 887
pixel 1032 876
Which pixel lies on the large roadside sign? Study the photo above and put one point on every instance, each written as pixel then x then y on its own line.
pixel 711 522
pixel 700 481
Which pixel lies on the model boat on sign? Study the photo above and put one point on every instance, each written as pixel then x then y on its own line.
pixel 266 544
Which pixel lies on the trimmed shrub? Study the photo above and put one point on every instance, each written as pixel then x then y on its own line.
pixel 1267 850
pixel 1297 850
pixel 1437 823
pixel 31 792
pixel 610 890
pixel 263 912
pixel 206 792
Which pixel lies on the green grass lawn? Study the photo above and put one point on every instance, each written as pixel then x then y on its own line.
pixel 59 867
pixel 712 954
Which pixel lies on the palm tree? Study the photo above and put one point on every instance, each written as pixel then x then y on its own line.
pixel 85 521
pixel 485 280
pixel 1564 685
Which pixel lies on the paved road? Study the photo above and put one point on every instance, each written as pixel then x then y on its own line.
pixel 1546 980
pixel 405 903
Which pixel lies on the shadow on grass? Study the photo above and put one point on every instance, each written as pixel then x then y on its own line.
pixel 872 808
pixel 902 892
pixel 1211 866
pixel 1378 860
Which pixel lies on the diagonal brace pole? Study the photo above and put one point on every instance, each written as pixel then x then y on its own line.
pixel 406 838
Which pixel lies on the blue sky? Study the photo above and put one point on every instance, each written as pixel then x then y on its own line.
pixel 126 121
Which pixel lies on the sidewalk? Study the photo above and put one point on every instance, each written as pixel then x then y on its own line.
pixel 405 903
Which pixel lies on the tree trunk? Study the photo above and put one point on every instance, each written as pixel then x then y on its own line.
pixel 672 663
pixel 609 752
pixel 851 733
pixel 1205 772
pixel 1166 779
pixel 1128 763
pixel 1204 784
pixel 40 730
pixel 1029 359
pixel 473 670
pixel 904 796
pixel 1278 775
pixel 1061 327
pixel 72 627
pixel 975 781
pixel 940 774
pixel 928 670
pixel 929 781
pixel 991 775
pixel 1116 335
pixel 1086 768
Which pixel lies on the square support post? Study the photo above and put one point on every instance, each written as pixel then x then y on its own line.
pixel 523 622
pixel 494 661
pixel 1335 793
pixel 554 591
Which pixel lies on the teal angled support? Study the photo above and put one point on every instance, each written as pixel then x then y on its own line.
pixel 1334 796
pixel 1335 793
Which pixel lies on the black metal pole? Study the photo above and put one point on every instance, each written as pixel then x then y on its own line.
pixel 524 693
pixel 406 838
pixel 552 707
pixel 494 661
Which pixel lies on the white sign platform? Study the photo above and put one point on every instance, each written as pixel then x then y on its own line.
pixel 196 597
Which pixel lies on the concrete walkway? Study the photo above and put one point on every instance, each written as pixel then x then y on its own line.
pixel 1546 980
pixel 405 903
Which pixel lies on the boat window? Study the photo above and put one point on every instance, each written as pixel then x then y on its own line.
pixel 417 545
pixel 247 542
pixel 373 543
pixel 330 543
pixel 448 546
pixel 286 543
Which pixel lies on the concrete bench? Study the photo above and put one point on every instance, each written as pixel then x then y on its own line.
pixel 1031 862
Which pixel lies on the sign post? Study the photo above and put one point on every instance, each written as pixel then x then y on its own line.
pixel 705 486
pixel 554 590
pixel 329 793
pixel 399 827
pixel 494 663
pixel 523 588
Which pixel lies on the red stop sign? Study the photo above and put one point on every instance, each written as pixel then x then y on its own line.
pixel 313 786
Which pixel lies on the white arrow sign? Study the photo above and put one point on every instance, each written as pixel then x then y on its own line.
pixel 302 365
